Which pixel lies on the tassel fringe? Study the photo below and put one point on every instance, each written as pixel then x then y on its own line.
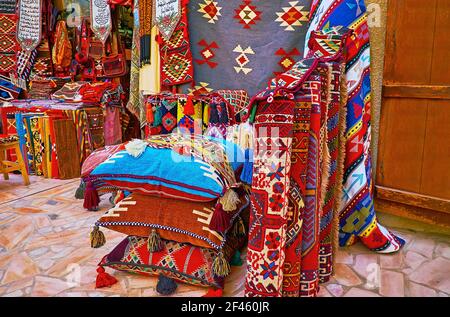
pixel 214 293
pixel 166 285
pixel 220 220
pixel 79 193
pixel 154 243
pixel 221 267
pixel 239 228
pixel 97 238
pixel 104 279
pixel 230 200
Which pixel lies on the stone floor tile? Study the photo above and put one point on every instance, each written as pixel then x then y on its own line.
pixel 335 289
pixel 357 292
pixel 47 286
pixel 21 266
pixel 391 261
pixel 344 257
pixel 435 274
pixel 414 260
pixel 392 284
pixel 323 292
pixel 423 246
pixel 443 249
pixel 417 290
pixel 16 232
pixel 365 263
pixel 345 275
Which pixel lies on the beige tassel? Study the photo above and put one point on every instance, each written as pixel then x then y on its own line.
pixel 97 238
pixel 239 228
pixel 154 241
pixel 230 200
pixel 221 267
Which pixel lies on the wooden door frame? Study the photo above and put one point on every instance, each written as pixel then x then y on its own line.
pixel 418 207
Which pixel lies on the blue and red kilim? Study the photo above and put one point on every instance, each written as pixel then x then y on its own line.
pixel 357 214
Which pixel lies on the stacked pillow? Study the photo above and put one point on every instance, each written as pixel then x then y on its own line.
pixel 184 213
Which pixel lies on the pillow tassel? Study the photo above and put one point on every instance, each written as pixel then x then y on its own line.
pixel 213 114
pixel 157 117
pixel 154 243
pixel 223 113
pixel 214 293
pixel 239 228
pixel 149 115
pixel 79 193
pixel 166 285
pixel 91 199
pixel 104 279
pixel 236 259
pixel 97 238
pixel 220 220
pixel 189 109
pixel 247 170
pixel 229 200
pixel 220 266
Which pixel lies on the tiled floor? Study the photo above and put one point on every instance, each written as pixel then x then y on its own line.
pixel 45 251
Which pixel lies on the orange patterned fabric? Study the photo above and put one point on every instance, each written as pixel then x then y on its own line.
pixel 182 221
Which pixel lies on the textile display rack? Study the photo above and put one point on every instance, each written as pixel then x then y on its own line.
pixel 211 125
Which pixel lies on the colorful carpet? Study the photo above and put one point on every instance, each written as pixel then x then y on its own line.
pixel 357 215
pixel 241 44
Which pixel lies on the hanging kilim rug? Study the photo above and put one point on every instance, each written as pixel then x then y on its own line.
pixel 29 30
pixel 357 214
pixel 241 44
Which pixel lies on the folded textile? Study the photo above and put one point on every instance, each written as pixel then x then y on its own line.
pixel 181 261
pixel 188 167
pixel 171 219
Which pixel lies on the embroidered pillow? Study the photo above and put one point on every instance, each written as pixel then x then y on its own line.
pixel 192 168
pixel 181 261
pixel 176 220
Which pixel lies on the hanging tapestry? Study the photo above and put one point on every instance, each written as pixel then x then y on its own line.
pixel 25 61
pixel 95 128
pixel 68 152
pixel 8 6
pixel 8 43
pixel 22 124
pixel 241 44
pixel 7 63
pixel 357 215
pixel 29 31
pixel 112 127
pixel 37 142
pixel 135 102
pixel 101 23
pixel 145 28
pixel 175 55
pixel 167 16
pixel 8 91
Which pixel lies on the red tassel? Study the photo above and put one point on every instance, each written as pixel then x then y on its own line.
pixel 214 293
pixel 104 279
pixel 220 220
pixel 150 116
pixel 91 199
pixel 189 107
